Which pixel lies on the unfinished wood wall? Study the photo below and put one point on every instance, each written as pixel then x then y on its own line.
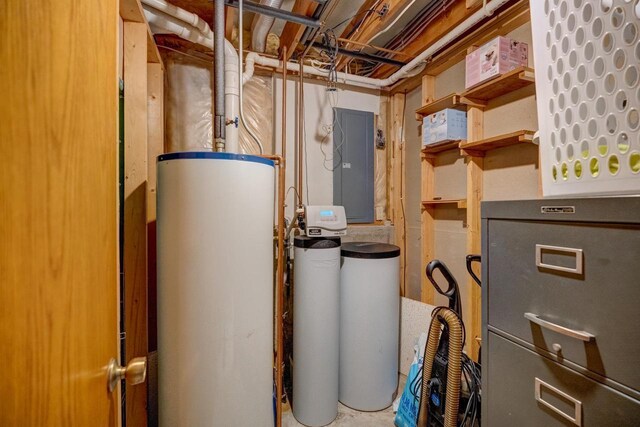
pixel 143 78
pixel 397 182
pixel 135 205
pixel 450 232
pixel 155 147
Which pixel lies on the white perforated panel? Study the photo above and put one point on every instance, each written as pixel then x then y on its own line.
pixel 587 61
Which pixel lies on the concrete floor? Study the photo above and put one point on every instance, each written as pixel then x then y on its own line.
pixel 352 418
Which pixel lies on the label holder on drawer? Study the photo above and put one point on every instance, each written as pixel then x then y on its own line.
pixel 577 414
pixel 577 252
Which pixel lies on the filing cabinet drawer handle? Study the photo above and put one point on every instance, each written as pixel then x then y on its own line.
pixel 581 335
pixel 577 415
pixel 576 252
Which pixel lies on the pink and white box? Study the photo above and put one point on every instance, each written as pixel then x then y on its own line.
pixel 497 57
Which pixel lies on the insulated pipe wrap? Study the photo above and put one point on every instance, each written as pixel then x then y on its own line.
pixel 219 121
pixel 454 369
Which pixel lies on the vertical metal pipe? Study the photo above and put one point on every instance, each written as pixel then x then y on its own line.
pixel 283 149
pixel 280 296
pixel 300 132
pixel 279 292
pixel 240 76
pixel 281 249
pixel 218 76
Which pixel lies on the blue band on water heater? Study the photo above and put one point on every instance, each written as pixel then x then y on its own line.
pixel 217 156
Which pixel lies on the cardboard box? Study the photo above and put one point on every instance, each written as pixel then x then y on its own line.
pixel 445 125
pixel 494 58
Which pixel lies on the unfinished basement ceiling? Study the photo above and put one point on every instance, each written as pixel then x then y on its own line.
pixel 407 22
pixel 375 37
pixel 415 10
pixel 340 12
pixel 338 15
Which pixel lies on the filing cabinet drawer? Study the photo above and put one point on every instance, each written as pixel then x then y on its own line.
pixel 522 388
pixel 573 287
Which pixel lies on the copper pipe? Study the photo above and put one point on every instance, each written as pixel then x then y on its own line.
pixel 280 268
pixel 283 148
pixel 454 367
pixel 280 163
pixel 300 132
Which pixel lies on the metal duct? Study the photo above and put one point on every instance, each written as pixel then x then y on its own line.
pixel 261 26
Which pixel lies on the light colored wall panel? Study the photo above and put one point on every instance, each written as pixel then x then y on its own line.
pixel 450 247
pixel 318 121
pixel 451 180
pixel 450 81
pixel 415 317
pixel 511 173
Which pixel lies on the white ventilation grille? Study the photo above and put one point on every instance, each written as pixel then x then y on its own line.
pixel 587 62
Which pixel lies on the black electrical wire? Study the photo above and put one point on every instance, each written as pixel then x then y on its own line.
pixel 472 378
pixel 330 40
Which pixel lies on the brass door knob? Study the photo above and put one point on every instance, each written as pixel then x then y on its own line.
pixel 135 372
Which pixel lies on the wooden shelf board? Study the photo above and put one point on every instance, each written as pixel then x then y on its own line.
pixel 131 11
pixel 460 203
pixel 482 145
pixel 500 85
pixel 450 101
pixel 441 146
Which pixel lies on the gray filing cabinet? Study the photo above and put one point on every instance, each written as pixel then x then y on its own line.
pixel 561 312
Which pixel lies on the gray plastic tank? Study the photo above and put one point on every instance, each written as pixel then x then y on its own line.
pixel 369 325
pixel 316 333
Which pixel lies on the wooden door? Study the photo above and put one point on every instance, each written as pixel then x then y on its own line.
pixel 58 201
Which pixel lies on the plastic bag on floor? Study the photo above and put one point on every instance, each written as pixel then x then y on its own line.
pixel 409 402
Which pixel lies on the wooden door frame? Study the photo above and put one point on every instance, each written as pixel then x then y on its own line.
pixel 143 75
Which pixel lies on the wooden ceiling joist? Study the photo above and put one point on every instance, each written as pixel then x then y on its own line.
pixel 230 16
pixel 446 22
pixel 501 23
pixel 131 11
pixel 371 26
pixel 367 5
pixel 292 32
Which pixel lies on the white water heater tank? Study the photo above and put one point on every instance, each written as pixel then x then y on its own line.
pixel 369 324
pixel 215 290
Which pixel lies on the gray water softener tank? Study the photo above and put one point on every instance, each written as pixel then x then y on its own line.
pixel 369 325
pixel 316 333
